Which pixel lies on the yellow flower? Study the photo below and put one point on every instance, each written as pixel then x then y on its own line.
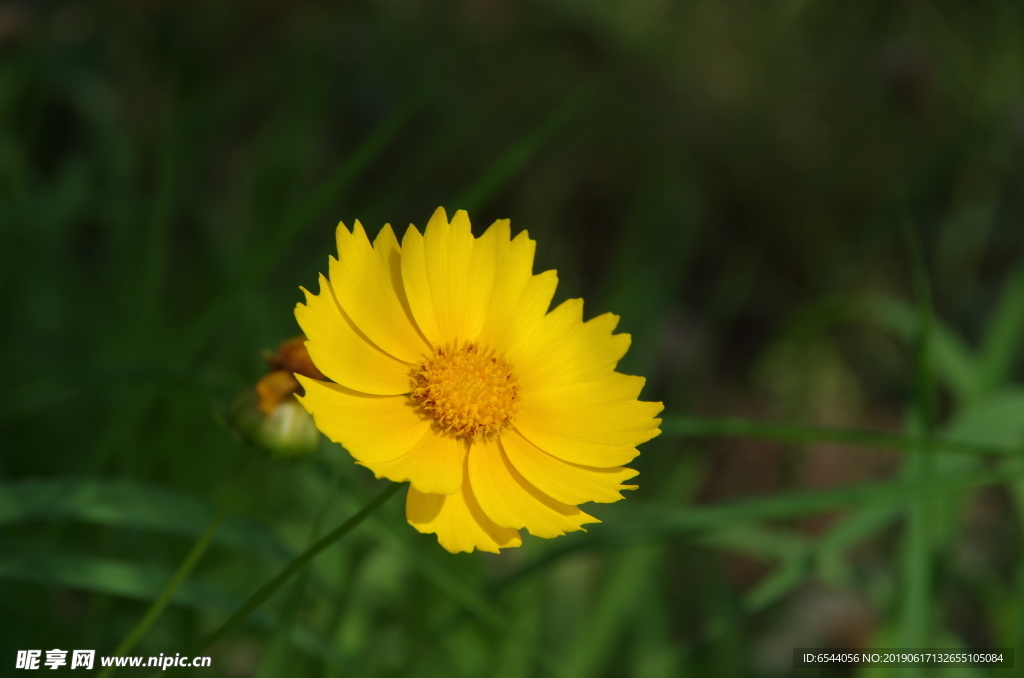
pixel 450 373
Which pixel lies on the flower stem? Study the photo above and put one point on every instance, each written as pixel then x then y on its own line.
pixel 156 608
pixel 276 656
pixel 268 589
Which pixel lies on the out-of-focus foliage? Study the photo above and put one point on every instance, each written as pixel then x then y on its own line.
pixel 746 183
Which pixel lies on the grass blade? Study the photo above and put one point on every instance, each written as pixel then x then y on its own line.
pixel 141 582
pixel 1003 334
pixel 197 551
pixel 268 589
pixel 917 565
pixel 130 505
pixel 614 612
pixel 639 524
pixel 112 577
pixel 277 656
pixel 157 607
pixel 699 427
pixel 953 360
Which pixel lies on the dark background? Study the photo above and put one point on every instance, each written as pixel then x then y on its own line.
pixel 773 195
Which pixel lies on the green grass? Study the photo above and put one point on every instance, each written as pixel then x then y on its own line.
pixel 807 216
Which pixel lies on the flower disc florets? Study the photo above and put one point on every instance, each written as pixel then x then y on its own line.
pixel 468 390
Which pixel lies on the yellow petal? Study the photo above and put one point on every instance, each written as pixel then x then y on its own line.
pixel 365 287
pixel 611 387
pixel 563 481
pixel 604 411
pixel 510 501
pixel 534 304
pixel 564 350
pixel 626 423
pixel 574 406
pixel 448 276
pixel 433 466
pixel 577 452
pixel 345 354
pixel 458 521
pixel 372 428
pixel 603 436
pixel 518 299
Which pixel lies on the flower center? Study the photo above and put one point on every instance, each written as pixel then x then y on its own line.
pixel 468 390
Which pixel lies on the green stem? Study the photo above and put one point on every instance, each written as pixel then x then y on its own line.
pixel 157 607
pixel 268 589
pixel 276 657
pixel 917 549
pixel 917 563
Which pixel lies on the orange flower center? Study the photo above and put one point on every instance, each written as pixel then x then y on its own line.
pixel 468 390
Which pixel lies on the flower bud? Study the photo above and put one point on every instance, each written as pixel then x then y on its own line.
pixel 268 416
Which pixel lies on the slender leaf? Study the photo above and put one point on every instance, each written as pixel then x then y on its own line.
pixel 920 464
pixel 144 582
pixel 699 427
pixel 130 505
pixel 954 361
pixel 268 589
pixel 1004 334
pixel 113 577
pixel 633 524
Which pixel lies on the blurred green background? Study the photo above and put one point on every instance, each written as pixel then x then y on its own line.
pixel 805 213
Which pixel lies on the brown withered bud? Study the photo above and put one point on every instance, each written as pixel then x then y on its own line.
pixel 290 357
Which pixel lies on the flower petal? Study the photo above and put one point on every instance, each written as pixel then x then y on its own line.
pixel 372 296
pixel 563 349
pixel 561 480
pixel 611 387
pixel 433 466
pixel 458 521
pixel 519 299
pixel 602 436
pixel 448 276
pixel 628 422
pixel 345 354
pixel 510 501
pixel 372 428
pixel 603 411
